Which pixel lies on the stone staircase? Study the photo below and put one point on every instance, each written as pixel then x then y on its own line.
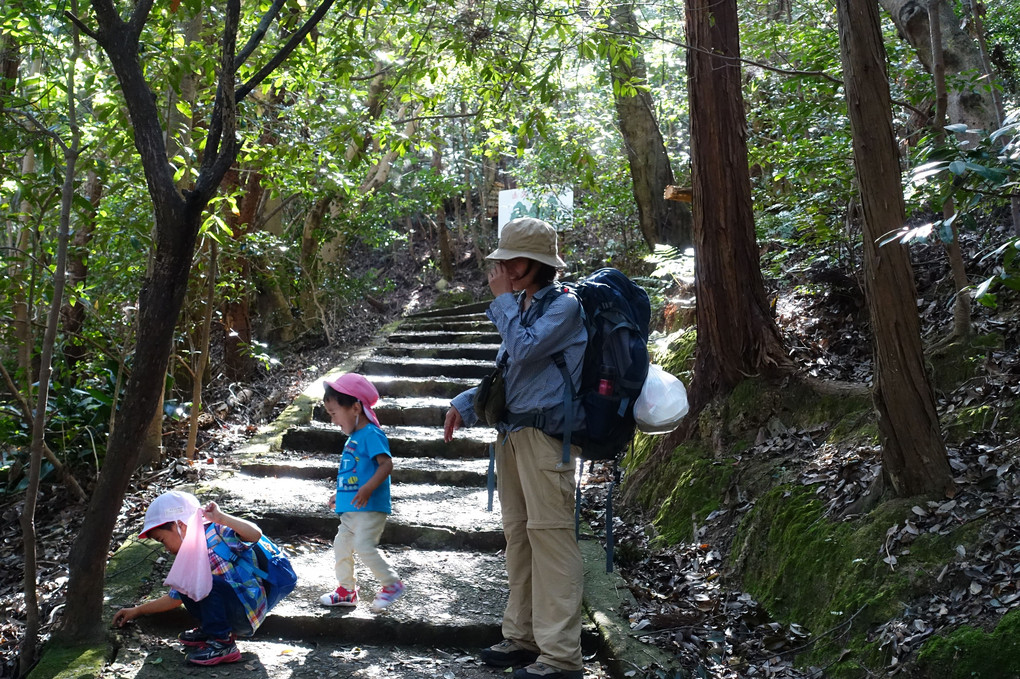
pixel 441 538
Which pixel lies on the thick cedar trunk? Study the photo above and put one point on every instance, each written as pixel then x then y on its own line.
pixel 913 453
pixel 661 221
pixel 737 336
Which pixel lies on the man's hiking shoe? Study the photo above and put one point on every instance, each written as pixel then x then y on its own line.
pixel 341 597
pixel 387 595
pixel 507 653
pixel 195 637
pixel 540 670
pixel 214 652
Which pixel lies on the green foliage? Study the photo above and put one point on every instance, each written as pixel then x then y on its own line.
pixel 978 178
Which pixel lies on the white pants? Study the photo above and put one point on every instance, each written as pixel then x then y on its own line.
pixel 359 533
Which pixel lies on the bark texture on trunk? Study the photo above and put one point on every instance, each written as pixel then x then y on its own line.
pixel 662 221
pixel 913 453
pixel 973 104
pixel 737 335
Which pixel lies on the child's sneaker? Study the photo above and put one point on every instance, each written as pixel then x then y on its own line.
pixel 387 595
pixel 214 652
pixel 341 597
pixel 195 637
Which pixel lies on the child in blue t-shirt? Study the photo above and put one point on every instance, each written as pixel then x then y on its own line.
pixel 362 497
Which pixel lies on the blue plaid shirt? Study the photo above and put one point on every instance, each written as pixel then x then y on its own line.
pixel 533 382
pixel 246 586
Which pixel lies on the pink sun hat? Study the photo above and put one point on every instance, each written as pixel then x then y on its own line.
pixel 360 388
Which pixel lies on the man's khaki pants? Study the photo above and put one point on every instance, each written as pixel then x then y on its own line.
pixel 543 561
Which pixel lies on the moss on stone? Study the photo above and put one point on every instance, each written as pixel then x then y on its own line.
pixel 830 576
pixel 972 652
pixel 966 421
pixel 452 298
pixel 70 662
pixel 959 361
pixel 690 486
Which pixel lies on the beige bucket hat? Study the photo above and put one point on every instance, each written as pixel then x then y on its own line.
pixel 529 237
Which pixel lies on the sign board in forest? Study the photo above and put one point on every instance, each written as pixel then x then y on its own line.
pixel 555 208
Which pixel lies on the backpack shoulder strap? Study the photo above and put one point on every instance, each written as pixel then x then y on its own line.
pixel 223 550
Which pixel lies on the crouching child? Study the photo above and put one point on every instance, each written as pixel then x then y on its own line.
pixel 235 604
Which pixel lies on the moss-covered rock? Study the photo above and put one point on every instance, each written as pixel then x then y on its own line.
pixel 830 576
pixel 453 297
pixel 969 652
pixel 955 363
pixel 70 662
pixel 689 487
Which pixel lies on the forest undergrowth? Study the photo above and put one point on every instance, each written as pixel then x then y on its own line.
pixel 690 600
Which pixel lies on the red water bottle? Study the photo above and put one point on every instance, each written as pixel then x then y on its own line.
pixel 606 383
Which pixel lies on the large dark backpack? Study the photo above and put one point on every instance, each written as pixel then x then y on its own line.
pixel 616 318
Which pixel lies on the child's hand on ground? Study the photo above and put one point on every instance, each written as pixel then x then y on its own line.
pixel 124 615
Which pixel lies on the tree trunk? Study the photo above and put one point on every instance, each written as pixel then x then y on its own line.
pixel 177 220
pixel 737 336
pixel 238 363
pixel 913 453
pixel 972 105
pixel 198 375
pixel 961 303
pixel 78 271
pixel 445 247
pixel 661 221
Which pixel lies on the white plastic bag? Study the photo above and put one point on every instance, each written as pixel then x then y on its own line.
pixel 191 574
pixel 661 404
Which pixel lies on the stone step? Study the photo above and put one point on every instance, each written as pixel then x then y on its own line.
pixel 476 352
pixel 454 324
pixel 425 516
pixel 442 337
pixel 450 597
pixel 399 387
pixel 405 441
pixel 427 411
pixel 470 473
pixel 463 309
pixel 425 367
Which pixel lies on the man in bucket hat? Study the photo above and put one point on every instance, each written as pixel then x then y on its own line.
pixel 236 603
pixel 542 620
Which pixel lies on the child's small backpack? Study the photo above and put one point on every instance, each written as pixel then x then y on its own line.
pixel 274 569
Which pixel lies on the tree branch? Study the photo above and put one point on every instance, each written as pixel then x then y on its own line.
pixel 81 27
pixel 256 38
pixel 285 51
